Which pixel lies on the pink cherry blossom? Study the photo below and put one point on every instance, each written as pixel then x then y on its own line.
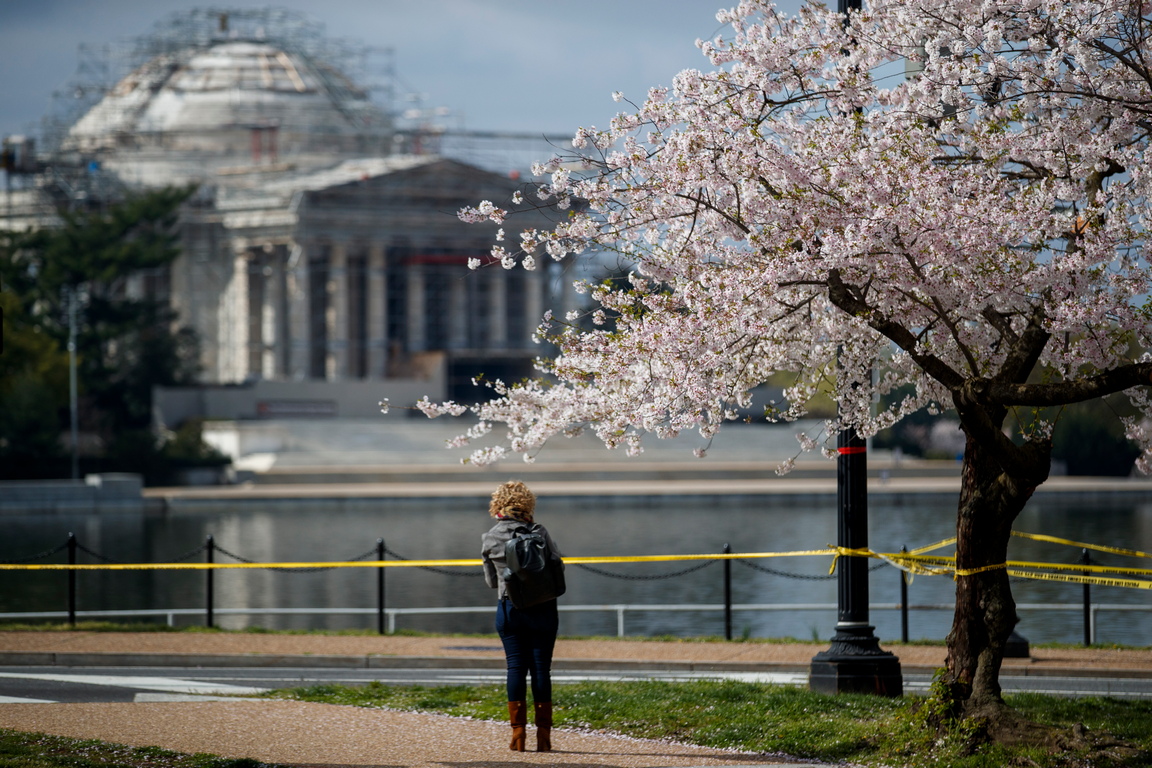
pixel 795 205
pixel 941 203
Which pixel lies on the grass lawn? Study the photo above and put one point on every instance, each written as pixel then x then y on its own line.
pixel 752 717
pixel 37 750
pixel 761 718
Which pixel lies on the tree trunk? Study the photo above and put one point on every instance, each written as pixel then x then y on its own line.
pixel 990 500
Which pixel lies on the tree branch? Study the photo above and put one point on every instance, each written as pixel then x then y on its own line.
pixel 972 407
pixel 1025 350
pixel 1109 382
pixel 848 299
pixel 999 321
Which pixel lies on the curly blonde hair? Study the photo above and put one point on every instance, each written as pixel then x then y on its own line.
pixel 513 499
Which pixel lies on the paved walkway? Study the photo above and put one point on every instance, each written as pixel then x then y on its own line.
pixel 301 733
pixel 244 649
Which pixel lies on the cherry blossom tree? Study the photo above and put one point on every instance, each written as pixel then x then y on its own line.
pixel 944 196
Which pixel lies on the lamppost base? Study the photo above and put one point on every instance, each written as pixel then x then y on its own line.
pixel 855 663
pixel 1016 647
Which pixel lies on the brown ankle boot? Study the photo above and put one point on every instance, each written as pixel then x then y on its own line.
pixel 518 716
pixel 543 726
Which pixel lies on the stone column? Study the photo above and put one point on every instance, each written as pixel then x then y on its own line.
pixel 257 303
pixel 300 331
pixel 457 309
pixel 272 276
pixel 377 312
pixel 415 309
pixel 280 314
pixel 535 286
pixel 497 309
pixel 233 320
pixel 337 314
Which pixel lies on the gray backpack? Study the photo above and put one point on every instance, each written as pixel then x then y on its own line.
pixel 533 574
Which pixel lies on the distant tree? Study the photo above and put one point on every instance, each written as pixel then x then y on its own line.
pixel 33 386
pixel 126 342
pixel 975 230
pixel 1089 439
pixel 912 435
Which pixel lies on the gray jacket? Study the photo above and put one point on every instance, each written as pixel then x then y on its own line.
pixel 493 551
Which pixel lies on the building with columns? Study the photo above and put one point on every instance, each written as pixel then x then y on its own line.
pixel 322 244
pixel 358 271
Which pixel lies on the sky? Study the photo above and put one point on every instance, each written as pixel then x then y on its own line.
pixel 538 66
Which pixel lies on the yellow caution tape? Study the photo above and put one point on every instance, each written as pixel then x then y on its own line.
pixel 914 562
pixel 930 547
pixel 838 552
pixel 400 563
pixel 1076 573
pixel 1081 568
pixel 1076 579
pixel 946 560
pixel 1082 545
pixel 229 566
pixel 671 558
pixel 981 569
pixel 914 567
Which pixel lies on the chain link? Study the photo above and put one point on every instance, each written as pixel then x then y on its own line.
pixel 97 555
pixel 41 556
pixel 238 558
pixel 784 574
pixel 190 555
pixel 370 554
pixel 801 576
pixel 442 571
pixel 626 577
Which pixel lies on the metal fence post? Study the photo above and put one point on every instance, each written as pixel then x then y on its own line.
pixel 727 594
pixel 210 552
pixel 1086 559
pixel 380 587
pixel 72 579
pixel 903 601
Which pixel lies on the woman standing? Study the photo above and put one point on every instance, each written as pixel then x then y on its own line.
pixel 528 634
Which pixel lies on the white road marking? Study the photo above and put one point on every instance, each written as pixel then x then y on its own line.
pixel 775 678
pixel 18 700
pixel 162 684
pixel 184 697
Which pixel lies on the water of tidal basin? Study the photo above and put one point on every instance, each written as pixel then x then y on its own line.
pixel 302 531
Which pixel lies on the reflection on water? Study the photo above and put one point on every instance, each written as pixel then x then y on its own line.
pixel 445 529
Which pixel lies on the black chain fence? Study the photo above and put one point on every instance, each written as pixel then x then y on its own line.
pixel 654 577
pixel 312 569
pixel 472 573
pixel 802 576
pixel 380 552
pixel 33 558
pixel 443 571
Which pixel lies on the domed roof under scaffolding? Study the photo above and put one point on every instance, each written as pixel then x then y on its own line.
pixel 236 103
pixel 320 247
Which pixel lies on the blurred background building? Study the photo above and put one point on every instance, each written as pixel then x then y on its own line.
pixel 323 266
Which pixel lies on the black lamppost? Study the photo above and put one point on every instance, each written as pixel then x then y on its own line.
pixel 854 663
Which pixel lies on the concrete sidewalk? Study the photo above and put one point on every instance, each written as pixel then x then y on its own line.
pixel 189 649
pixel 299 733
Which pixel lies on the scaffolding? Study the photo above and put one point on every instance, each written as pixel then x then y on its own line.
pixel 320 243
pixel 360 81
pixel 350 70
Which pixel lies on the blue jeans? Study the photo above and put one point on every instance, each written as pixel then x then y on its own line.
pixel 528 636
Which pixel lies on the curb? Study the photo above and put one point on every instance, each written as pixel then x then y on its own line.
pixel 332 661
